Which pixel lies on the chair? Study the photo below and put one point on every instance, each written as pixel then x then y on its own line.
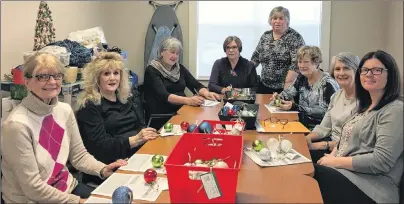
pixel 153 120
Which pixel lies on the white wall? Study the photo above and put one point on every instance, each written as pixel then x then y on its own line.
pixel 395 29
pixel 18 19
pixel 358 27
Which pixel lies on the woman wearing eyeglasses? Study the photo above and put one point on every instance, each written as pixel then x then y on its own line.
pixel 232 71
pixel 311 92
pixel 39 137
pixel 366 164
pixel 342 105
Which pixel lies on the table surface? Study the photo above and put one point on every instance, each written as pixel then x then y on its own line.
pixel 282 184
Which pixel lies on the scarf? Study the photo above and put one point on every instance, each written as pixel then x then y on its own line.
pixel 173 73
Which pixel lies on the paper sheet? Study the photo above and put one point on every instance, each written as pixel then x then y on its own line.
pixel 141 190
pixel 208 103
pixel 277 159
pixel 274 109
pixel 142 162
pixel 92 200
pixel 176 131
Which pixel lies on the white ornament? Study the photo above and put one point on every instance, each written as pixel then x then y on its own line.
pixel 221 164
pixel 272 144
pixel 286 146
pixel 265 154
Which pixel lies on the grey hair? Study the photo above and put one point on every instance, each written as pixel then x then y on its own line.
pixel 170 44
pixel 280 9
pixel 231 39
pixel 349 60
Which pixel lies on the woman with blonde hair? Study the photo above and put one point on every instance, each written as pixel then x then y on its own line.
pixel 311 92
pixel 111 120
pixel 39 137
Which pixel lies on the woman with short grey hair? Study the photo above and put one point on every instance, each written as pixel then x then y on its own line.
pixel 276 52
pixel 232 71
pixel 165 81
pixel 343 103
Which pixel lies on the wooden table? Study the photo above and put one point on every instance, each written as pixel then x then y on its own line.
pixel 283 184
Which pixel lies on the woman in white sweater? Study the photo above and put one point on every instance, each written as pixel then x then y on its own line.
pixel 324 136
pixel 39 137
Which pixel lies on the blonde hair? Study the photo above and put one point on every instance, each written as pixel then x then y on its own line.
pixel 313 52
pixel 91 75
pixel 41 60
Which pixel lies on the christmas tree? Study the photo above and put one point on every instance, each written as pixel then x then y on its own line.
pixel 44 31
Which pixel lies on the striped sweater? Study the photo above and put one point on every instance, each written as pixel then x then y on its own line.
pixel 37 140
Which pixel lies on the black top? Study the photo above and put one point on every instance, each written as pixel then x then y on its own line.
pixel 244 75
pixel 158 88
pixel 105 128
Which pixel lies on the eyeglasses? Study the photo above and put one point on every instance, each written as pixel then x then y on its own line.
pixel 283 122
pixel 46 77
pixel 374 71
pixel 231 47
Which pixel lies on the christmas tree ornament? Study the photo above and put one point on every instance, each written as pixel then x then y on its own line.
pixel 205 127
pixel 285 146
pixel 184 125
pixel 220 164
pixel 257 145
pixel 264 154
pixel 150 176
pixel 278 102
pixel 157 161
pixel 273 144
pixel 44 30
pixel 191 128
pixel 122 194
pixel 198 161
pixel 168 127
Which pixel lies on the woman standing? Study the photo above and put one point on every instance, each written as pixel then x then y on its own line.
pixel 277 52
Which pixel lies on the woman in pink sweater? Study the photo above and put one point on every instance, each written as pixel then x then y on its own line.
pixel 39 137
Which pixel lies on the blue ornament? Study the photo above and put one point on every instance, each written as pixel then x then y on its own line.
pixel 205 127
pixel 122 194
pixel 191 128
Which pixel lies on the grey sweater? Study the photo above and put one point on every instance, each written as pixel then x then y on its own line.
pixel 339 110
pixel 376 148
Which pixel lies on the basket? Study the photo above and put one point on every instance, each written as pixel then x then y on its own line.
pixel 250 99
pixel 223 127
pixel 199 146
pixel 249 120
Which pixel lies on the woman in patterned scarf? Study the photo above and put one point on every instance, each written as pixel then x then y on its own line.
pixel 311 91
pixel 276 52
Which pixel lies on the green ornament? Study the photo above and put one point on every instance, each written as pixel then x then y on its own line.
pixel 157 161
pixel 277 102
pixel 257 145
pixel 168 127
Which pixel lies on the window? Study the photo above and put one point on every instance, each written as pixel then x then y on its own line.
pixel 215 20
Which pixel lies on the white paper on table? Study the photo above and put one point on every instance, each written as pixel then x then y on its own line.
pixel 142 162
pixel 175 131
pixel 92 200
pixel 297 158
pixel 207 103
pixel 259 127
pixel 274 109
pixel 141 190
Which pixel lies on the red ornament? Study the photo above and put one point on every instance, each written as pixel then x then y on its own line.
pixel 150 175
pixel 184 125
pixel 231 112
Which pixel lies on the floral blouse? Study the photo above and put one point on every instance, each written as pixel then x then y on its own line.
pixel 311 100
pixel 277 57
pixel 347 132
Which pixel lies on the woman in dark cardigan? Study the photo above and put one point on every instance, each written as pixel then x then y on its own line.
pixel 165 81
pixel 233 70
